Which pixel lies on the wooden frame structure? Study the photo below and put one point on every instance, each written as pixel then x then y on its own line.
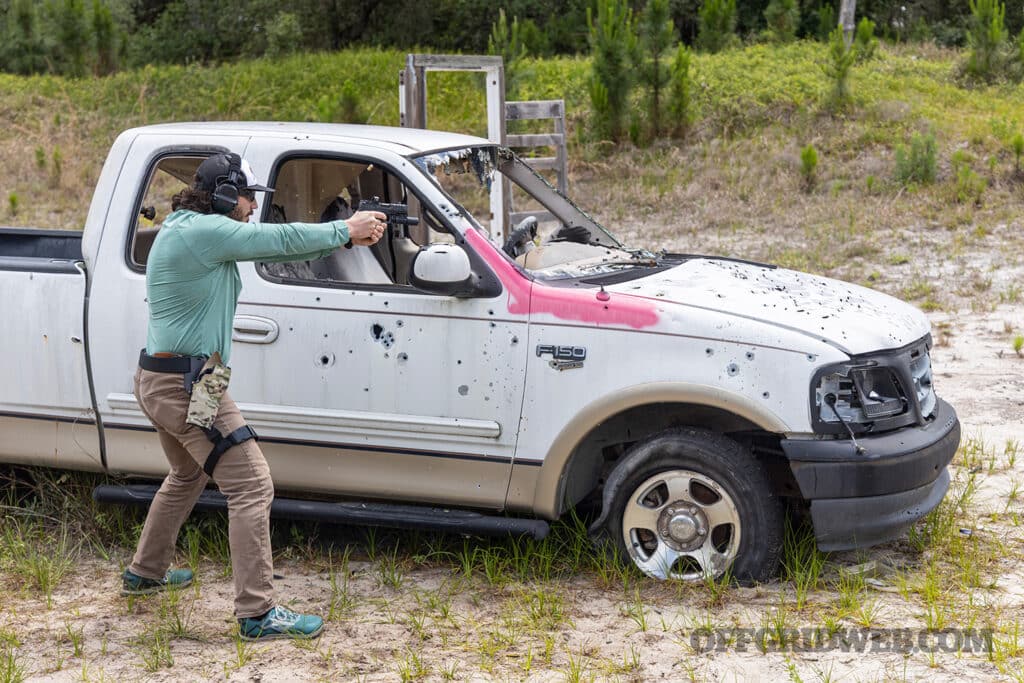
pixel 412 111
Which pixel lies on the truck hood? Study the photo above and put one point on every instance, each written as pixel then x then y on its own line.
pixel 851 318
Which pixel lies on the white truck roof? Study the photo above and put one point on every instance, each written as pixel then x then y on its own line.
pixel 404 141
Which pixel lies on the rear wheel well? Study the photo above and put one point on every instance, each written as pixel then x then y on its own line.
pixel 600 450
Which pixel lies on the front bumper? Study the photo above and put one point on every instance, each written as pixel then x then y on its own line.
pixel 862 499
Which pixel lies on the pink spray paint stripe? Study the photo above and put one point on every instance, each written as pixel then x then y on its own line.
pixel 580 305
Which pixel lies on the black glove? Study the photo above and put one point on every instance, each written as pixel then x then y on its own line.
pixel 571 233
pixel 525 232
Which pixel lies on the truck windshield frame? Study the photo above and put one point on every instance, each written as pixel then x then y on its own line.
pixel 482 161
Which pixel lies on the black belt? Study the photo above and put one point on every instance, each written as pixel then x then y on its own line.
pixel 189 366
pixel 172 364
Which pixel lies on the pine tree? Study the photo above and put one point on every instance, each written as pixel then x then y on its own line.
pixel 505 41
pixel 22 50
pixel 986 35
pixel 105 38
pixel 680 92
pixel 613 46
pixel 782 18
pixel 657 33
pixel 716 25
pixel 71 34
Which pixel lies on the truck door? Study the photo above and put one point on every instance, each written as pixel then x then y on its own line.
pixel 356 382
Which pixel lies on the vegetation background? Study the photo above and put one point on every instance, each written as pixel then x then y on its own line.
pixel 74 37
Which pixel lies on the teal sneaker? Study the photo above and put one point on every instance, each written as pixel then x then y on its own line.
pixel 133 584
pixel 280 623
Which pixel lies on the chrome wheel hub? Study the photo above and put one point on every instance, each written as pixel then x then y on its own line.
pixel 682 526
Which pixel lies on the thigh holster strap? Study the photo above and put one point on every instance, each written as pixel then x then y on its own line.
pixel 222 443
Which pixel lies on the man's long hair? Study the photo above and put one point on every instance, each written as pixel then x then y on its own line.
pixel 192 199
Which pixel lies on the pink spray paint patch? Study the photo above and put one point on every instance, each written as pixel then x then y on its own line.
pixel 582 305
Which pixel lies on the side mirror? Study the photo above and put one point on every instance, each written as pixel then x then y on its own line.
pixel 442 269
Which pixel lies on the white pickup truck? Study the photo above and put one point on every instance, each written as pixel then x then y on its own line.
pixel 448 379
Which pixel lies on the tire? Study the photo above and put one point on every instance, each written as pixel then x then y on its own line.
pixel 691 505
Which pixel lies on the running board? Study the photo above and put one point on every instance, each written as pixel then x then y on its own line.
pixel 367 514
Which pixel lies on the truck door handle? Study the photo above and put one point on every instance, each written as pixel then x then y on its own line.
pixel 254 329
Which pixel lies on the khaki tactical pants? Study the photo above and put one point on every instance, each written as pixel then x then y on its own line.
pixel 242 476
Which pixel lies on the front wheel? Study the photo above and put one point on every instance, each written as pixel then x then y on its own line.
pixel 693 505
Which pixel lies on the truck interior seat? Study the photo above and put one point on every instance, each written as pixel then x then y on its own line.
pixel 143 243
pixel 350 265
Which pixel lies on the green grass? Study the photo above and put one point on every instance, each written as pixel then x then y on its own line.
pixel 11 669
pixel 40 562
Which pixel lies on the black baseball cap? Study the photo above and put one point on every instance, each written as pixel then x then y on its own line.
pixel 216 169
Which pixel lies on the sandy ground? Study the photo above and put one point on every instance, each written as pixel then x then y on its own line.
pixel 439 625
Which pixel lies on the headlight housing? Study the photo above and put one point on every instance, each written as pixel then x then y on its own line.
pixel 874 392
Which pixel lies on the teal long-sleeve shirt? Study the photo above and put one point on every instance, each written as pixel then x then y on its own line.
pixel 192 281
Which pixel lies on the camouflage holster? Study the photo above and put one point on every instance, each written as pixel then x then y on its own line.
pixel 207 391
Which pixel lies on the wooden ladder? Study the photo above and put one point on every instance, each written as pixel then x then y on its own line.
pixel 540 110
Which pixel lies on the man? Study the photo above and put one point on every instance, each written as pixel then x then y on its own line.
pixel 192 287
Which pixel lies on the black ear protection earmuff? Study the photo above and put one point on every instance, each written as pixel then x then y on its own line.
pixel 225 195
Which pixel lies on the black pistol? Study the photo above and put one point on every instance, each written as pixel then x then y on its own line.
pixel 398 215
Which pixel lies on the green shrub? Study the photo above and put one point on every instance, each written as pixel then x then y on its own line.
pixel 68 20
pixel 22 50
pixel 809 166
pixel 716 25
pixel 106 39
pixel 12 203
pixel 506 42
pixel 680 106
pixel 58 164
pixel 346 107
pixel 837 69
pixel 864 42
pixel 782 18
pixel 969 185
pixel 1017 144
pixel 613 50
pixel 350 109
pixel 986 36
pixel 284 35
pixel 916 164
pixel 826 21
pixel 535 42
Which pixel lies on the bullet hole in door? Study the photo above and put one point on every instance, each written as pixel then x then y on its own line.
pixel 387 339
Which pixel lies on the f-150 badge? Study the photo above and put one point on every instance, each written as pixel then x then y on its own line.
pixel 563 357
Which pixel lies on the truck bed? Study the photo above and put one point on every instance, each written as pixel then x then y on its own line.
pixel 35 249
